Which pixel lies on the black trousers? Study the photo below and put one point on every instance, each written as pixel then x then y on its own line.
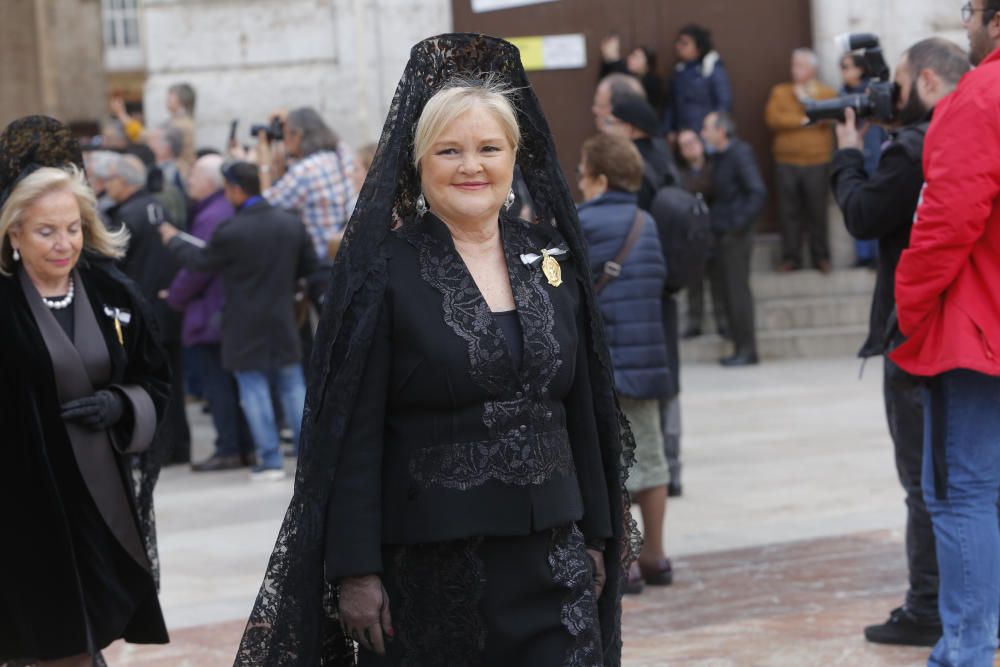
pixel 173 438
pixel 905 413
pixel 696 298
pixel 733 265
pixel 232 434
pixel 802 208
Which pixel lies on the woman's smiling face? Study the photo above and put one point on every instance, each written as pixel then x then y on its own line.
pixel 467 173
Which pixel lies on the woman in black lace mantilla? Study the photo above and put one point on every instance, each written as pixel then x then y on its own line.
pixel 460 496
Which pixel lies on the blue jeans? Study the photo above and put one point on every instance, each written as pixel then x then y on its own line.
pixel 255 399
pixel 962 431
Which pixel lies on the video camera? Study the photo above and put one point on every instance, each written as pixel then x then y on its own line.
pixel 877 102
pixel 275 130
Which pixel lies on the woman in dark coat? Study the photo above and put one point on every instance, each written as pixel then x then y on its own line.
pixel 631 303
pixel 81 384
pixel 459 500
pixel 698 85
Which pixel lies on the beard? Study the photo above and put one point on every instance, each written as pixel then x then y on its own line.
pixel 914 110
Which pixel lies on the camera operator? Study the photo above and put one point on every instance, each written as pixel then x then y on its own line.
pixel 881 207
pixel 317 185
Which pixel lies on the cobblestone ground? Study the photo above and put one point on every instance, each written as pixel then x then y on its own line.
pixel 786 543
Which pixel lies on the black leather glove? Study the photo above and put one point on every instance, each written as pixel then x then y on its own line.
pixel 98 412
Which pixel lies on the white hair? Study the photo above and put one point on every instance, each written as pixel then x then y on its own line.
pixel 808 53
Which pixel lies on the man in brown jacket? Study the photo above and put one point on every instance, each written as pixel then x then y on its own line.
pixel 803 155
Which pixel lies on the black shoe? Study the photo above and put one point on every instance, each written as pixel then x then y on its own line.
pixel 634 584
pixel 691 332
pixel 904 630
pixel 740 359
pixel 659 574
pixel 674 489
pixel 216 463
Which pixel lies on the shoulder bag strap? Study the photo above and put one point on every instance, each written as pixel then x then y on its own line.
pixel 613 269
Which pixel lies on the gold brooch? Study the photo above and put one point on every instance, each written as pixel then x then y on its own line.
pixel 551 269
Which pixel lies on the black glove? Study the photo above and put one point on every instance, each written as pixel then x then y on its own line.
pixel 98 412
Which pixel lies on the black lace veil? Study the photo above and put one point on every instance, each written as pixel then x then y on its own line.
pixel 294 619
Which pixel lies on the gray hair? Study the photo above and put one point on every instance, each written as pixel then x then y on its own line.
pixel 724 121
pixel 174 139
pixel 211 167
pixel 621 85
pixel 101 163
pixel 316 134
pixel 130 169
pixel 943 57
pixel 808 53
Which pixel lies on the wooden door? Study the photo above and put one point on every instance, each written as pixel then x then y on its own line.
pixel 754 37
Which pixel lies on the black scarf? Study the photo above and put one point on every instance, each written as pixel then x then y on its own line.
pixel 294 619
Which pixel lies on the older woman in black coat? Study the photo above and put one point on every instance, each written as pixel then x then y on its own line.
pixel 81 384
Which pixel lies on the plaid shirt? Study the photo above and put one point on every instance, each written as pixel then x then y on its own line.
pixel 319 189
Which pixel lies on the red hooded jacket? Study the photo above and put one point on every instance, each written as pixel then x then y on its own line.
pixel 948 281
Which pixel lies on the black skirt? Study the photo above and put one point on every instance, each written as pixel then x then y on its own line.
pixel 498 601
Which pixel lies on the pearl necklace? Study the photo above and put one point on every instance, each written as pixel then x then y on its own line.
pixel 61 303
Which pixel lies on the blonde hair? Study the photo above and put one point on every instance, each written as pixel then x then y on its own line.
pixel 96 237
pixel 456 98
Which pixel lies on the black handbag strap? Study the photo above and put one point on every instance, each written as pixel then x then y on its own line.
pixel 613 269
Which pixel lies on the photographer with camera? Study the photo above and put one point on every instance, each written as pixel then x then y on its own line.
pixel 946 296
pixel 880 206
pixel 317 185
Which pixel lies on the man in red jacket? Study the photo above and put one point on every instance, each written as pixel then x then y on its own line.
pixel 948 300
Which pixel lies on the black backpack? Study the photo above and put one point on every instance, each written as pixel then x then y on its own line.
pixel 685 228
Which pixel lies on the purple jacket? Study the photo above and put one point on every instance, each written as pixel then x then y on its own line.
pixel 197 294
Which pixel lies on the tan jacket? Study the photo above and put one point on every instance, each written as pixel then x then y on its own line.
pixel 793 143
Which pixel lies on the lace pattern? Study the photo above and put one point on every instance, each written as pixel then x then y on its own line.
pixel 438 617
pixel 571 567
pixel 515 461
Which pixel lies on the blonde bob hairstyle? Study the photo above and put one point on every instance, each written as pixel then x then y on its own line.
pixel 457 97
pixel 96 237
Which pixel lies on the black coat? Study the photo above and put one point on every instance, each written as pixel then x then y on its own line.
pixel 738 190
pixel 881 207
pixel 147 262
pixel 73 536
pixel 261 252
pixel 448 440
pixel 659 168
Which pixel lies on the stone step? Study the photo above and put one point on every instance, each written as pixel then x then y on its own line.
pixel 834 341
pixel 803 313
pixel 809 283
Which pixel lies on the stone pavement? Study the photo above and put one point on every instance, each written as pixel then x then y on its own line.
pixel 786 543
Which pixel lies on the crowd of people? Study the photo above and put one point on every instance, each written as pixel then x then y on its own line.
pixel 491 446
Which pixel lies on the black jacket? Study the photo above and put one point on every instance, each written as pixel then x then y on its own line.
pixel 738 191
pixel 261 252
pixel 147 262
pixel 659 168
pixel 448 440
pixel 881 207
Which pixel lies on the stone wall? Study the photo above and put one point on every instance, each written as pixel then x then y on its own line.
pixel 899 24
pixel 246 59
pixel 50 59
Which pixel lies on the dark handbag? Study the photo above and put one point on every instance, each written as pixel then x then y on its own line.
pixel 613 269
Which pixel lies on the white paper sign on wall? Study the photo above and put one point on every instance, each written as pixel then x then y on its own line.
pixel 480 6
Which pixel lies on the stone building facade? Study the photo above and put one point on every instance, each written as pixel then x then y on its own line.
pixel 51 60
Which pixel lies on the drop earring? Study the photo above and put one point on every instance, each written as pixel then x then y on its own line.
pixel 509 201
pixel 17 255
pixel 421 206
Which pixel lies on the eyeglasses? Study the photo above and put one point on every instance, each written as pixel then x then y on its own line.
pixel 968 11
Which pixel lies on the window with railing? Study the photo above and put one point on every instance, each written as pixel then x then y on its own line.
pixel 122 36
